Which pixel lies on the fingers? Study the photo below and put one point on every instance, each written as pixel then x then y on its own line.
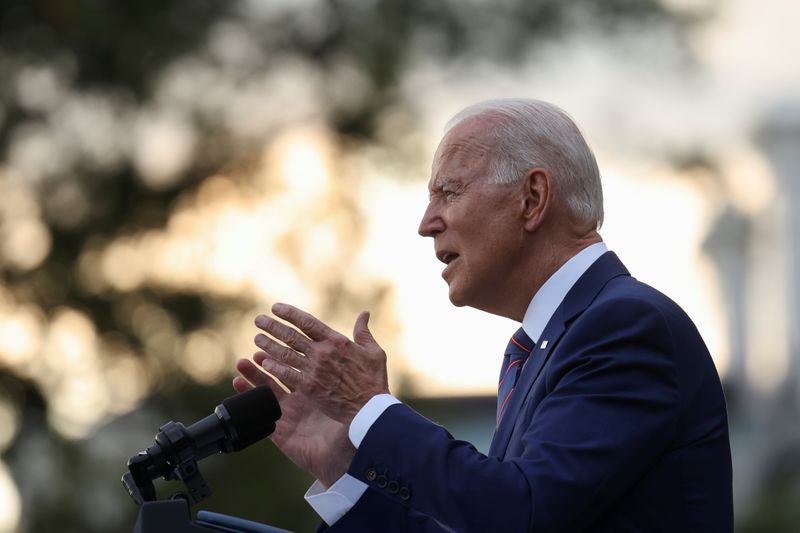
pixel 290 336
pixel 305 322
pixel 253 376
pixel 361 333
pixel 251 372
pixel 241 385
pixel 286 374
pixel 302 353
pixel 280 352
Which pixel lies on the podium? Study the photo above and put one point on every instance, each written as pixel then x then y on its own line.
pixel 173 516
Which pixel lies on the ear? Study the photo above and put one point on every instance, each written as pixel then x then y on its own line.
pixel 537 194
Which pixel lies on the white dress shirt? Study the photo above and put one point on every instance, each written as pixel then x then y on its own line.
pixel 340 497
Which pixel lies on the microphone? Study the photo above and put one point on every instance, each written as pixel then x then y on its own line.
pixel 238 422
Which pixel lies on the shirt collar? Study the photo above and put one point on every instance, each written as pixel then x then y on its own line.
pixel 552 293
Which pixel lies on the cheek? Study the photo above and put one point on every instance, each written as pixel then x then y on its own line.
pixel 496 236
pixel 499 252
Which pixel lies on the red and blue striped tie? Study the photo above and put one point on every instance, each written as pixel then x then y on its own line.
pixel 519 348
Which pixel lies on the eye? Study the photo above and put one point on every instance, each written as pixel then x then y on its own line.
pixel 449 193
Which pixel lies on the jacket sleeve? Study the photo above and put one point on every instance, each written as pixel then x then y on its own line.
pixel 610 408
pixel 375 512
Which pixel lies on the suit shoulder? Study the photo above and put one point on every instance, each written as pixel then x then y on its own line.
pixel 628 305
pixel 626 292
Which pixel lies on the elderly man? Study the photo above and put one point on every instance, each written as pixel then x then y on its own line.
pixel 610 412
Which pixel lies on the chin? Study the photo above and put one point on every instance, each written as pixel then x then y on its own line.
pixel 458 298
pixel 456 303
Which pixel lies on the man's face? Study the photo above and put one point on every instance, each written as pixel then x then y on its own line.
pixel 476 225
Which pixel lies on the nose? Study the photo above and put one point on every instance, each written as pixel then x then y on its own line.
pixel 431 223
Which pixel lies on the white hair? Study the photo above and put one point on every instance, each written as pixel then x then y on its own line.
pixel 532 133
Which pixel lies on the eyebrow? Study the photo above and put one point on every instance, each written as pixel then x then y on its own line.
pixel 438 183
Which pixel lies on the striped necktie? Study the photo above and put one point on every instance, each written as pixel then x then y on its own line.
pixel 517 352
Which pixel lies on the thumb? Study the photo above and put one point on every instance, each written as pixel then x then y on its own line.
pixel 361 333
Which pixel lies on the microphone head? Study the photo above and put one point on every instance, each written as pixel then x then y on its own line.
pixel 252 415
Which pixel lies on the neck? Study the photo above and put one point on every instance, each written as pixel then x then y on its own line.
pixel 544 260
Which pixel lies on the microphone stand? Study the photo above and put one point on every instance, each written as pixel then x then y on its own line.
pixel 173 515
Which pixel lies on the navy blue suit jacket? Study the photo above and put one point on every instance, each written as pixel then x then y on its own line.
pixel 617 424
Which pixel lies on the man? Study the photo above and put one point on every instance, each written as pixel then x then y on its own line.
pixel 611 416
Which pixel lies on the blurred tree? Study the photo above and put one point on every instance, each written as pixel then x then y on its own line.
pixel 773 509
pixel 134 180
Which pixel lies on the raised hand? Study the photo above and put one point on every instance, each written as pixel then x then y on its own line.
pixel 311 440
pixel 338 374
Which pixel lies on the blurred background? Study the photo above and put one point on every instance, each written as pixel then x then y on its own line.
pixel 169 169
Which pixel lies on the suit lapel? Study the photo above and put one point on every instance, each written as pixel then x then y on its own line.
pixel 578 298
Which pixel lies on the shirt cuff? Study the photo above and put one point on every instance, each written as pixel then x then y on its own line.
pixel 332 504
pixel 368 415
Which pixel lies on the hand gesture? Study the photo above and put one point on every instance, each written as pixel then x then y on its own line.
pixel 311 440
pixel 338 374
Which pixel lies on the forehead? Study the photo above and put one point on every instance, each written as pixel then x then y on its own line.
pixel 465 151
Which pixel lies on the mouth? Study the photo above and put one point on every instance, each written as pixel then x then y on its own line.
pixel 449 259
pixel 446 257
